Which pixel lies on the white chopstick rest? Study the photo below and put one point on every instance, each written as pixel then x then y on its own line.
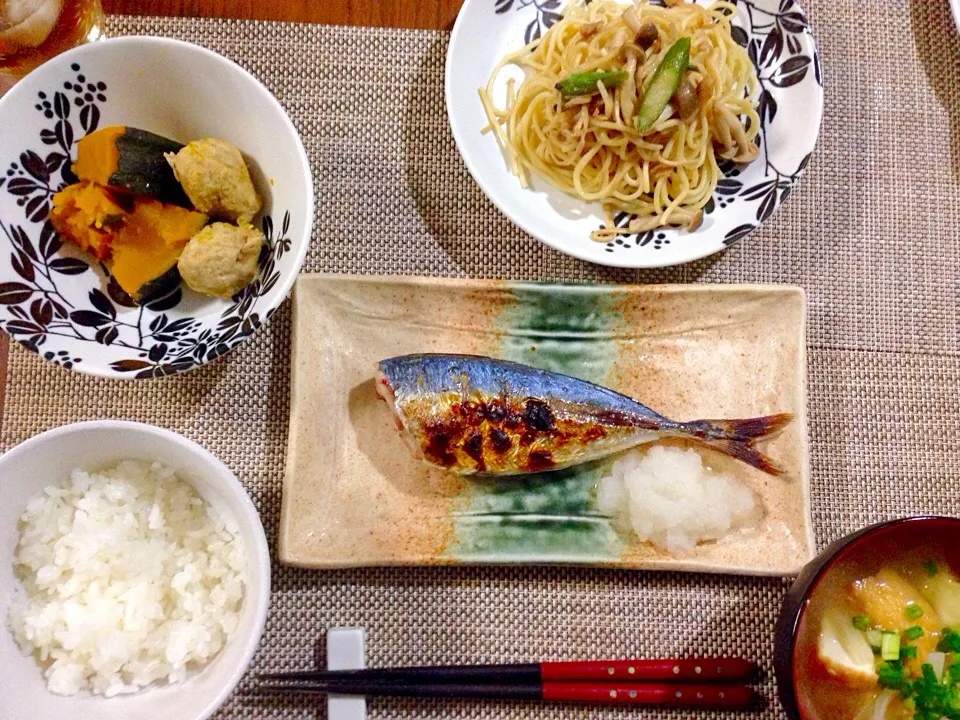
pixel 345 651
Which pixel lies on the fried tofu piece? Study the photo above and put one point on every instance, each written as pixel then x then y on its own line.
pixel 844 650
pixel 884 598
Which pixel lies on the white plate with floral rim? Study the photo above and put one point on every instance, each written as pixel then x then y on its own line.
pixel 62 305
pixel 778 39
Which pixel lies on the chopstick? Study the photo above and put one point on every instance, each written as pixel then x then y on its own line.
pixel 703 670
pixel 687 683
pixel 680 695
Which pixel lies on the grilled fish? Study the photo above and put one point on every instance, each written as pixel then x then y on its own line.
pixel 472 414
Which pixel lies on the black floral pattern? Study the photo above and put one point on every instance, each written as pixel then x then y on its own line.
pixel 41 310
pixel 771 33
pixel 547 13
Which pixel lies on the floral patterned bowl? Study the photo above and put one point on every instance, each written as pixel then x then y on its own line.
pixel 778 40
pixel 58 302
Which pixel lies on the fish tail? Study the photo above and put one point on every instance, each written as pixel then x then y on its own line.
pixel 752 429
pixel 746 453
pixel 737 437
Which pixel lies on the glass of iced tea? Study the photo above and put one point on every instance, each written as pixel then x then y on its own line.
pixel 33 31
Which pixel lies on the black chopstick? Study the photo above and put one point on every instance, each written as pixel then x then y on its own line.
pixel 701 670
pixel 680 695
pixel 688 683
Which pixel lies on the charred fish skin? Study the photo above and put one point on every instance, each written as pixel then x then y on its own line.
pixel 472 414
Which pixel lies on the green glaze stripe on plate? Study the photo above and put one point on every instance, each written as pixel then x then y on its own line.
pixel 546 517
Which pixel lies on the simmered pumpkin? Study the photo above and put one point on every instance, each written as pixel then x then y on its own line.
pixel 139 238
pixel 130 159
pixel 146 248
pixel 86 214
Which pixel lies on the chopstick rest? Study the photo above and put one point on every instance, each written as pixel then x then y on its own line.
pixel 345 651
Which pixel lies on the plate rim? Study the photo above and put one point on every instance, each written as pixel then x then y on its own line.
pixel 459 137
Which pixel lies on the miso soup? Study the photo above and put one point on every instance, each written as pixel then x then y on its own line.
pixel 880 637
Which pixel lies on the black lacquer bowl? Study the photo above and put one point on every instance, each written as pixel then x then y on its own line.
pixel 869 548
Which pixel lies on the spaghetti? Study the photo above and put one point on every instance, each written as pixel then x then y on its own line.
pixel 587 142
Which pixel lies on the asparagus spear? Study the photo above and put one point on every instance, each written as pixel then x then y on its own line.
pixel 586 83
pixel 663 84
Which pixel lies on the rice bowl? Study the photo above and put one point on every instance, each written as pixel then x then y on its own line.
pixel 50 457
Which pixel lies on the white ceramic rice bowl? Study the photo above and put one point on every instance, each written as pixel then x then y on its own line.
pixel 48 459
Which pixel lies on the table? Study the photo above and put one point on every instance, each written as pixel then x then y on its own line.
pixel 432 15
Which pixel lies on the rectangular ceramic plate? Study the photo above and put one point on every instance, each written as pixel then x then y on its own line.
pixel 355 495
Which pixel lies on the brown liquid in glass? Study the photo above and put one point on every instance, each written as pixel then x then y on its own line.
pixel 79 21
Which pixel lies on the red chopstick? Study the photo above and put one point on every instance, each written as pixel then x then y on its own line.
pixel 697 670
pixel 702 670
pixel 684 683
pixel 724 697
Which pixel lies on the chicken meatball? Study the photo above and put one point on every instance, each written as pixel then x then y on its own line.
pixel 216 179
pixel 221 259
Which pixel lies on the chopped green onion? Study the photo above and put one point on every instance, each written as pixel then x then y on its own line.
pixel 913 611
pixel 890 675
pixel 875 638
pixel 931 568
pixel 890 646
pixel 908 651
pixel 914 632
pixel 861 622
pixel 950 642
pixel 931 697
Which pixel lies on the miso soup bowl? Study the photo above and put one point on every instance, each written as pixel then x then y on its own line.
pixel 867 547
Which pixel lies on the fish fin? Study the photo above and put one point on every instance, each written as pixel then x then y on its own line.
pixel 736 438
pixel 751 430
pixel 745 452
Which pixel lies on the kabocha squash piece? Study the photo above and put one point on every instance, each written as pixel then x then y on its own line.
pixel 87 214
pixel 147 247
pixel 130 159
pixel 216 179
pixel 221 259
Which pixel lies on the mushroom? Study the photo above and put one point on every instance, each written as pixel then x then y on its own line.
pixel 733 137
pixel 647 35
pixel 686 100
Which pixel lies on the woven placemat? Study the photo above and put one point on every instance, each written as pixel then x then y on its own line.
pixel 872 233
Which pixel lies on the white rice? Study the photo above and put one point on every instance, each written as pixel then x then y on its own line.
pixel 128 576
pixel 667 497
